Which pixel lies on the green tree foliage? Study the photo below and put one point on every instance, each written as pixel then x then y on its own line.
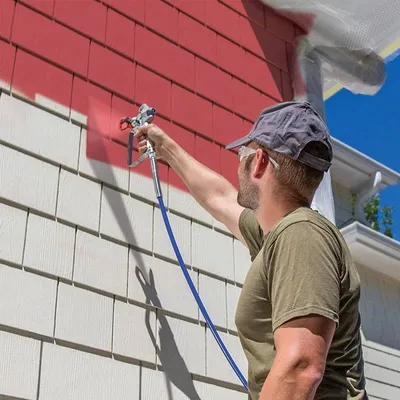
pixel 387 220
pixel 371 212
pixel 377 216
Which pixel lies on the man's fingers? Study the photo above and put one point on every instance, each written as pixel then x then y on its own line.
pixel 144 130
pixel 142 146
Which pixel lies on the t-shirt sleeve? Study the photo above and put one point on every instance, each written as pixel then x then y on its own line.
pixel 251 232
pixel 303 274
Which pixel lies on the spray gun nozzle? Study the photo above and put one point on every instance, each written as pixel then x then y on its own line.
pixel 149 111
pixel 125 123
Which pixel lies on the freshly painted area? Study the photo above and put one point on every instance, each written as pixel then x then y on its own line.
pixel 100 73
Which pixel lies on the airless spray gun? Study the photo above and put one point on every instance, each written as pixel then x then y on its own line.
pixel 146 116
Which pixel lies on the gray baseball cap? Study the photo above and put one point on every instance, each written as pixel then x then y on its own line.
pixel 287 128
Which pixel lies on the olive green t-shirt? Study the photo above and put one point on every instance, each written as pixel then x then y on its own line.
pixel 302 266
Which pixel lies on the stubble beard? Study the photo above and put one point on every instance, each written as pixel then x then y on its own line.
pixel 248 194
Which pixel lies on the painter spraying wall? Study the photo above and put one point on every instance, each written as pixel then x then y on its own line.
pixel 92 301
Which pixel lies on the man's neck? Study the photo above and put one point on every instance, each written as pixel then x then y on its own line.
pixel 269 214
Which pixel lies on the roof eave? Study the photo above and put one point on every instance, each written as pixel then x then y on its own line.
pixel 373 250
pixel 346 158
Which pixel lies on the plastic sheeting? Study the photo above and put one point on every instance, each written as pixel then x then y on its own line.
pixel 348 35
pixel 341 42
pixel 323 200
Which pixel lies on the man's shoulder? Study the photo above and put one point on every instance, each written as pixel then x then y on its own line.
pixel 305 221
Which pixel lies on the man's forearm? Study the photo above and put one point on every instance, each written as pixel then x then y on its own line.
pixel 203 183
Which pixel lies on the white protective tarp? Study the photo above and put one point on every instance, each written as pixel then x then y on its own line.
pixel 347 37
pixel 350 34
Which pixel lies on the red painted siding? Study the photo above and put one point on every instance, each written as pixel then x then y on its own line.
pixel 120 33
pixel 45 7
pixel 50 40
pixel 213 83
pixel 164 57
pixel 162 18
pixel 209 67
pixel 226 126
pixel 194 8
pixel 197 38
pixel 6 17
pixel 29 71
pixel 134 9
pixel 75 15
pixel 7 58
pixel 191 110
pixel 112 71
pixel 153 89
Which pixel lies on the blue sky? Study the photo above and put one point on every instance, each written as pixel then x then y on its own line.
pixel 370 124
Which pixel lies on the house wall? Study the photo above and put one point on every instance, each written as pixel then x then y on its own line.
pixel 380 314
pixel 92 302
pixel 343 211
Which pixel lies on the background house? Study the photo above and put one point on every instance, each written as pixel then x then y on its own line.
pixel 378 260
pixel 92 302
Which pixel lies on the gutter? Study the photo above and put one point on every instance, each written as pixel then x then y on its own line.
pixel 364 164
pixel 378 175
pixel 357 232
pixel 373 249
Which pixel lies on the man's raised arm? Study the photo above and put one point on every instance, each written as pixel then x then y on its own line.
pixel 211 190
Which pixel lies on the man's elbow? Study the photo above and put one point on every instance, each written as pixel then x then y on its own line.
pixel 304 372
pixel 312 376
pixel 309 372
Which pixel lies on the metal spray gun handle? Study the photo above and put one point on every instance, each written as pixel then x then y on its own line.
pixel 145 116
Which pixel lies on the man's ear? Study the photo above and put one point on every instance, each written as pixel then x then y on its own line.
pixel 260 164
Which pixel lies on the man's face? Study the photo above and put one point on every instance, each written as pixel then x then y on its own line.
pixel 249 193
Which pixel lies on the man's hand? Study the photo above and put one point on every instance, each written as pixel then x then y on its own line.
pixel 157 136
pixel 302 346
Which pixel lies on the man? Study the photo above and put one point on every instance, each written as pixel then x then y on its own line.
pixel 297 315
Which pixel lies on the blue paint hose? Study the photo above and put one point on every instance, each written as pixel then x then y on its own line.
pixel 203 310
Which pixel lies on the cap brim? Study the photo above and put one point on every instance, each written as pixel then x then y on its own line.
pixel 239 142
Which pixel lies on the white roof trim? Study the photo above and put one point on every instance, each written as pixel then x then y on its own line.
pixel 373 250
pixel 344 155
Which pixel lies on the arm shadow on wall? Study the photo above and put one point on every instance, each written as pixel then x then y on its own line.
pixel 175 369
pixel 168 354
